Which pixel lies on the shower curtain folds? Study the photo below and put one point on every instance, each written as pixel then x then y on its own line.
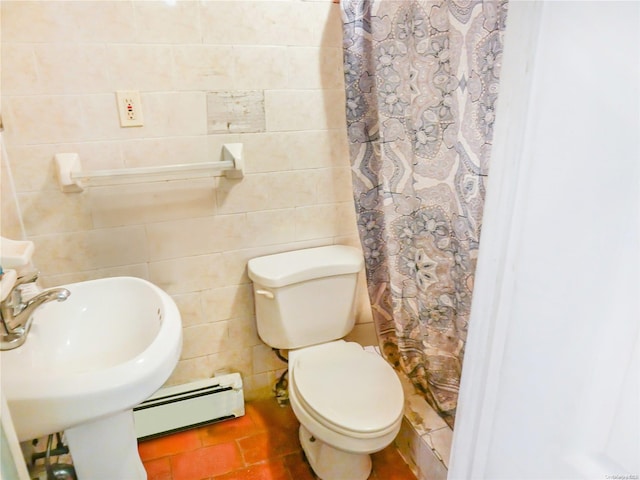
pixel 421 82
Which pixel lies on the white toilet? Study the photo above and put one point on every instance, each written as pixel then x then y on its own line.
pixel 349 401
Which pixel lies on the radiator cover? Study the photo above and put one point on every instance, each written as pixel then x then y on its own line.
pixel 172 409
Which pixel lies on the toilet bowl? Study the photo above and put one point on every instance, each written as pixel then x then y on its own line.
pixel 349 401
pixel 347 397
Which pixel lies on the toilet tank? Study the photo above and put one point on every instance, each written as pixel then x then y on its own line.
pixel 305 297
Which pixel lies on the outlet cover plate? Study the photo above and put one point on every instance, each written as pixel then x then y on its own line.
pixel 129 108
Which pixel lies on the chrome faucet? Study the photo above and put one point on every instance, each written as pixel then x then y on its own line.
pixel 16 315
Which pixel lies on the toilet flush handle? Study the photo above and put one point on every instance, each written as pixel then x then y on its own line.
pixel 265 293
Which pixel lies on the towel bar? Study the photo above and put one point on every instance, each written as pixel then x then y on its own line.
pixel 72 179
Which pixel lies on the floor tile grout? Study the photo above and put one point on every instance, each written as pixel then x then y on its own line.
pixel 264 443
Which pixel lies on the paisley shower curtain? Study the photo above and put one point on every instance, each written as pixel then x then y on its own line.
pixel 421 90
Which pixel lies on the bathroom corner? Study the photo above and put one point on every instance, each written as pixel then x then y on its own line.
pixel 425 438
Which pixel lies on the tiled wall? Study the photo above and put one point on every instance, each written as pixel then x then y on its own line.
pixel 61 65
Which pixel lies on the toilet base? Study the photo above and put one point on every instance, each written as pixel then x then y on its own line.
pixel 329 463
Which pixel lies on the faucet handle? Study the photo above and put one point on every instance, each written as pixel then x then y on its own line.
pixel 14 297
pixel 28 277
pixel 7 283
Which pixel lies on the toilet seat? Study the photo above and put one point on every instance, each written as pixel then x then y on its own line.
pixel 348 389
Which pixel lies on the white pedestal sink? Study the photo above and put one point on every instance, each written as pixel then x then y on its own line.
pixel 86 363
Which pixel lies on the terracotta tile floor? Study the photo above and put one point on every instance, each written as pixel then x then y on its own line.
pixel 261 445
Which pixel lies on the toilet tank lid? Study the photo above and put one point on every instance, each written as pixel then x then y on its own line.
pixel 301 265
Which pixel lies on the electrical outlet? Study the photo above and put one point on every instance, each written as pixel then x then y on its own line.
pixel 129 108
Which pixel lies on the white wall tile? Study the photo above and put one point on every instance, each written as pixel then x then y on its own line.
pixel 154 202
pixel 134 270
pixel 10 219
pixel 88 76
pixel 192 369
pixel 43 119
pixel 252 23
pixel 271 23
pixel 231 360
pixel 197 236
pixel 181 238
pixel 293 189
pixel 224 23
pixel 235 301
pixel 265 360
pixel 441 442
pixel 266 191
pixel 275 227
pixel 167 22
pixel 188 274
pixel 36 22
pixel 243 332
pixel 334 185
pixel 327 220
pixel 204 67
pixel 91 249
pixel 315 221
pixel 140 67
pixel 19 72
pixel 279 151
pixel 252 193
pixel 288 110
pixel 321 148
pixel 190 308
pixel 175 113
pixel 268 152
pixel 100 21
pixel 68 21
pixel 41 212
pixel 146 152
pixel 260 68
pixel 204 339
pixel 314 68
pixel 313 24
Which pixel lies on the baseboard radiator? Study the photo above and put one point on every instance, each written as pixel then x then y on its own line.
pixel 172 409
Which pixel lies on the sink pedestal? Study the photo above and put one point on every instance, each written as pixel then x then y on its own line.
pixel 106 449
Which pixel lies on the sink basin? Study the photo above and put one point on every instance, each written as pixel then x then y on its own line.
pixel 98 354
